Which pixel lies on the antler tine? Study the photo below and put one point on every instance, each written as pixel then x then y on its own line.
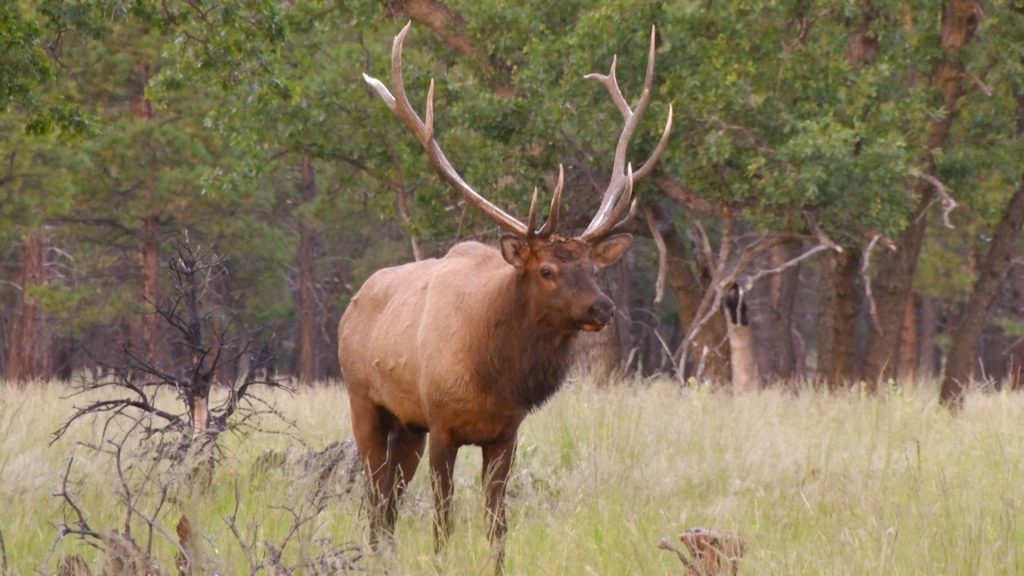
pixel 648 166
pixel 622 224
pixel 424 132
pixel 531 222
pixel 619 192
pixel 611 83
pixel 551 225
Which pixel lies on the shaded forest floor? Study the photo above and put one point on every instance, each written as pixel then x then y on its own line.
pixel 814 483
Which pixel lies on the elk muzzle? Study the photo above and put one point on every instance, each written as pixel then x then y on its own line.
pixel 598 315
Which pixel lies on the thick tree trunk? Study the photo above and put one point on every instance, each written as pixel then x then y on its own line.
pixel 783 291
pixel 707 346
pixel 307 364
pixel 837 318
pixel 30 351
pixel 928 357
pixel 896 272
pixel 149 234
pixel 906 366
pixel 964 350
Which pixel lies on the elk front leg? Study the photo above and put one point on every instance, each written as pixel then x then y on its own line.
pixel 404 451
pixel 442 465
pixel 497 467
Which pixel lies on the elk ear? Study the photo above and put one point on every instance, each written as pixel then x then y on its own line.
pixel 609 250
pixel 515 250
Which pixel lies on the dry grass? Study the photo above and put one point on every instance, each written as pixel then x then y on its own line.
pixel 815 484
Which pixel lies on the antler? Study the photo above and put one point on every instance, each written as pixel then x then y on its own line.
pixel 619 193
pixel 424 132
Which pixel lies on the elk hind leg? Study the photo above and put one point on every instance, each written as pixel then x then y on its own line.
pixel 405 448
pixel 372 426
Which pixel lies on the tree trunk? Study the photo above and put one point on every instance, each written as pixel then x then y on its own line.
pixel 837 318
pixel 307 365
pixel 896 272
pixel 149 255
pixel 783 291
pixel 928 357
pixel 964 350
pixel 30 351
pixel 708 344
pixel 907 362
pixel 741 352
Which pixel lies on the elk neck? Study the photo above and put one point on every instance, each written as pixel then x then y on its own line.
pixel 526 357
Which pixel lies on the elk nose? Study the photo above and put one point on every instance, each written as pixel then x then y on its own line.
pixel 602 310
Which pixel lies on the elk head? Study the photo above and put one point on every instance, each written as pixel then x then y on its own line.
pixel 559 273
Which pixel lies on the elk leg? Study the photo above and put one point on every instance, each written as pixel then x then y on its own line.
pixel 442 465
pixel 405 449
pixel 371 426
pixel 497 467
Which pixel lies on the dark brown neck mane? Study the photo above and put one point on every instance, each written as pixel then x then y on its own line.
pixel 521 358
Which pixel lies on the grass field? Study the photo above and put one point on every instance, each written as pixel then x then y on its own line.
pixel 814 484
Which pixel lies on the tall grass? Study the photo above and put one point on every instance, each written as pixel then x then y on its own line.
pixel 814 483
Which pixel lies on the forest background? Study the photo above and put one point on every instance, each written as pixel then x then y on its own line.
pixel 854 168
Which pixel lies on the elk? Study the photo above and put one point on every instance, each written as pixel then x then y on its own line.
pixel 461 348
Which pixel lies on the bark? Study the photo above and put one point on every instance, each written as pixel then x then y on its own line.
pixel 783 291
pixel 896 271
pixel 688 293
pixel 149 255
pixel 906 366
pixel 997 263
pixel 928 357
pixel 837 318
pixel 307 365
pixel 30 350
pixel 149 233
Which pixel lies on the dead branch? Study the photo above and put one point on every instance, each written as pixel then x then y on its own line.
pixel 659 241
pixel 945 196
pixel 750 280
pixel 865 274
pixel 708 552
pixel 729 271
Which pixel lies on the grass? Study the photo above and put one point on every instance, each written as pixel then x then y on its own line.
pixel 815 483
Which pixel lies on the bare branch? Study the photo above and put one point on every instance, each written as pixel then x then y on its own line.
pixel 948 204
pixel 659 241
pixel 865 274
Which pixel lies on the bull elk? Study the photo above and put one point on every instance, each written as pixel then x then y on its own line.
pixel 463 347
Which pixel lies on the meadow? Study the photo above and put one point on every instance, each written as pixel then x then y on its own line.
pixel 814 483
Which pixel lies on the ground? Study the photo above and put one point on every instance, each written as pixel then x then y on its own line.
pixel 814 483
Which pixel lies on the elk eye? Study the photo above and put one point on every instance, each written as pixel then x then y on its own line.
pixel 546 272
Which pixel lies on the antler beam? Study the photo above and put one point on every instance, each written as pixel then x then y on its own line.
pixel 619 193
pixel 424 132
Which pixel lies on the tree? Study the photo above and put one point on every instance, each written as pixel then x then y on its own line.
pixel 1002 139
